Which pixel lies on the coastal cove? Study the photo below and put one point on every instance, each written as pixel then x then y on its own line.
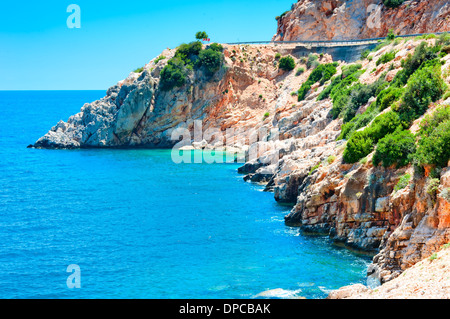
pixel 141 226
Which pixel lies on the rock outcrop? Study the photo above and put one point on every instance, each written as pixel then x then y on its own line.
pixel 427 279
pixel 360 19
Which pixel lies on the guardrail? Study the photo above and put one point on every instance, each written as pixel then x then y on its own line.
pixel 333 42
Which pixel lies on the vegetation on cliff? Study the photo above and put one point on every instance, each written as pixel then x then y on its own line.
pixel 413 89
pixel 321 74
pixel 187 58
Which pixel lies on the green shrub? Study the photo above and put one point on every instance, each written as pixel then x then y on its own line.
pixel 425 86
pixel 300 71
pixel 365 54
pixel 174 74
pixel 211 60
pixel 386 57
pixel 358 146
pixel 444 39
pixel 434 139
pixel 312 62
pixel 356 123
pixel 340 83
pixel 388 96
pixel 402 182
pixel 356 97
pixel 188 52
pixel 384 124
pixel 321 74
pixel 216 47
pixel 287 63
pixel 361 143
pixel 395 148
pixel 277 56
pixel 414 62
pixel 139 70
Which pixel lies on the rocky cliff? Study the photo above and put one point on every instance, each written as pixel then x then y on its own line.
pixel 360 19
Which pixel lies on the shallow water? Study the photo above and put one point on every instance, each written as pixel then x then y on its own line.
pixel 139 225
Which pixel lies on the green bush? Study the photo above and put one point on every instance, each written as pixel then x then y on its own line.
pixel 216 47
pixel 434 138
pixel 414 62
pixel 139 70
pixel 425 86
pixel 365 54
pixel 361 143
pixel 188 56
pixel 174 74
pixel 356 123
pixel 358 146
pixel 384 124
pixel 395 148
pixel 287 63
pixel 189 52
pixel 386 57
pixel 388 96
pixel 300 71
pixel 339 83
pixel 321 74
pixel 444 39
pixel 356 97
pixel 312 62
pixel 211 60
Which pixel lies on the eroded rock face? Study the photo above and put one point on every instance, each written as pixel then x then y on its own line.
pixel 360 19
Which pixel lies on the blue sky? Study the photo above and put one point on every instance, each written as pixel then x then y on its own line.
pixel 39 52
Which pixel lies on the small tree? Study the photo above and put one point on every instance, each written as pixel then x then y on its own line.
pixel 200 35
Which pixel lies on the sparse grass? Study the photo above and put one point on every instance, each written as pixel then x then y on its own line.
pixel 433 186
pixel 433 257
pixel 300 71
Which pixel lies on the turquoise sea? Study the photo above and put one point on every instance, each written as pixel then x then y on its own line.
pixel 139 225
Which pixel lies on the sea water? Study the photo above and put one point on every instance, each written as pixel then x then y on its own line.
pixel 140 226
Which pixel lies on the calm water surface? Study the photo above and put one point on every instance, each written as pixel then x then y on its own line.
pixel 140 226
